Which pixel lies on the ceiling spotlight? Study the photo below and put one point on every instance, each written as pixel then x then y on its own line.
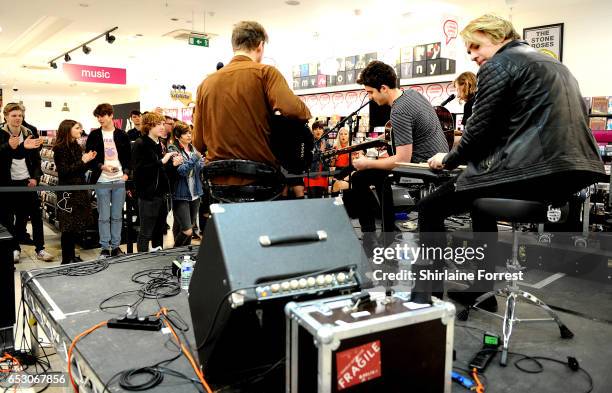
pixel 86 49
pixel 67 57
pixel 53 65
pixel 110 38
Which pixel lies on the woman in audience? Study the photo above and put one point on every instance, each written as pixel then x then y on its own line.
pixel 187 186
pixel 466 92
pixel 73 207
pixel 341 163
pixel 316 186
pixel 151 179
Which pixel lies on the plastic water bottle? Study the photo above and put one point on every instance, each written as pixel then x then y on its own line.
pixel 186 272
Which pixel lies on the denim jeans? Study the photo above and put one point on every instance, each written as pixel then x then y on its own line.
pixel 110 214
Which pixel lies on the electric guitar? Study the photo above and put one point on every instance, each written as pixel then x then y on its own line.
pixel 383 140
pixel 292 143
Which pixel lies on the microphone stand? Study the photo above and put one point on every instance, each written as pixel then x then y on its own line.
pixel 348 119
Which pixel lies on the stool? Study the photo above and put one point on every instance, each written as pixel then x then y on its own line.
pixel 514 211
pixel 267 182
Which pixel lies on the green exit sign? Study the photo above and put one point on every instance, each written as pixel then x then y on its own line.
pixel 198 41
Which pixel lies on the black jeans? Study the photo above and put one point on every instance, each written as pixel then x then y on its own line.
pixel 153 213
pixel 446 201
pixel 68 241
pixel 366 203
pixel 24 205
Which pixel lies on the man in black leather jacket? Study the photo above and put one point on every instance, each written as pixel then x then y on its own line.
pixel 528 137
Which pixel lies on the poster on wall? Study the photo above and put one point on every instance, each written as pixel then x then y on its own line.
pixel 547 39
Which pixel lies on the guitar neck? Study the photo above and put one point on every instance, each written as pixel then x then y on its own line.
pixel 352 148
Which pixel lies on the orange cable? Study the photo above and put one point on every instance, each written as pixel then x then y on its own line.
pixel 185 352
pixel 76 339
pixel 479 386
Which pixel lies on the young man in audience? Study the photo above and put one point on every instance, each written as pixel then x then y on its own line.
pixel 20 167
pixel 110 166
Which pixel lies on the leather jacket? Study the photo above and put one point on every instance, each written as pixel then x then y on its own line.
pixel 529 121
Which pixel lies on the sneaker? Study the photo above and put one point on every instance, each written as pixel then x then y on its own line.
pixel 77 259
pixel 16 256
pixel 104 254
pixel 116 252
pixel 43 255
pixel 153 249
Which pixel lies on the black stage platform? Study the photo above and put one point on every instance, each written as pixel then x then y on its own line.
pixel 66 306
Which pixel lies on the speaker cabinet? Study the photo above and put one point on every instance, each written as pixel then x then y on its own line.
pixel 254 258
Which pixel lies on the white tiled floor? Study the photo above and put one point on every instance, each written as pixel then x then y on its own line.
pixel 29 261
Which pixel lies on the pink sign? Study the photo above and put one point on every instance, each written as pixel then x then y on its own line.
pixel 433 91
pixel 450 30
pixel 187 115
pixel 93 74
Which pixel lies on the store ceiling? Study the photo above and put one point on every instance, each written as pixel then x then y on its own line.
pixel 35 31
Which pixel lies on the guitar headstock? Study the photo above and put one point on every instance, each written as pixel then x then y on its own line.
pixel 388 129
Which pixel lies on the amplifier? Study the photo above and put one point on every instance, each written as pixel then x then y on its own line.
pixel 369 343
pixel 254 258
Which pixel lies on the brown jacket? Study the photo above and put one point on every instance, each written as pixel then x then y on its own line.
pixel 234 108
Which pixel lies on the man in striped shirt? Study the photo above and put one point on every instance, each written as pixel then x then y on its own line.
pixel 416 133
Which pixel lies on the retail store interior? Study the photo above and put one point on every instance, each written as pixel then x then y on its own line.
pixel 284 292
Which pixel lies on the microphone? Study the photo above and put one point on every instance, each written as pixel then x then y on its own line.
pixel 449 99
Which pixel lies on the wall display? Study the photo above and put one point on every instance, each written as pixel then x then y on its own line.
pixel 547 39
pixel 121 114
pixel 342 103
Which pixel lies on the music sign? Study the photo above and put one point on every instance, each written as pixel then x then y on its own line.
pixel 93 74
pixel 547 39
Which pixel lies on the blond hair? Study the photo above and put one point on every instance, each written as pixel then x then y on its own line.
pixel 467 79
pixel 337 143
pixel 13 106
pixel 494 27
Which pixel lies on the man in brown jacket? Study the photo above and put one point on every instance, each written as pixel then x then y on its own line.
pixel 234 106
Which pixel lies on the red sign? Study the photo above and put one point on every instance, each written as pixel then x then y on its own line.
pixel 358 365
pixel 93 74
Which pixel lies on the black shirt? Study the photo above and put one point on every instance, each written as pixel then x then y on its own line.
pixel 467 111
pixel 133 134
pixel 150 177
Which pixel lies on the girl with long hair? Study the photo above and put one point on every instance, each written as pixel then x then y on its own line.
pixel 73 207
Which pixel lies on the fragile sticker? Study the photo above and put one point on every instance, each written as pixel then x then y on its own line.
pixel 358 365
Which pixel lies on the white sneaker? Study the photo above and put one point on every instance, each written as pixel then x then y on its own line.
pixel 158 248
pixel 43 255
pixel 16 256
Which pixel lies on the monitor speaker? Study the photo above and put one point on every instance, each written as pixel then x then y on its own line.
pixel 254 258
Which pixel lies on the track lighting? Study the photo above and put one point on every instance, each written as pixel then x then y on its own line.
pixel 86 49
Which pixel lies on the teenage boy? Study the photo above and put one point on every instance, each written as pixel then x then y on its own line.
pixel 20 167
pixel 110 166
pixel 136 118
